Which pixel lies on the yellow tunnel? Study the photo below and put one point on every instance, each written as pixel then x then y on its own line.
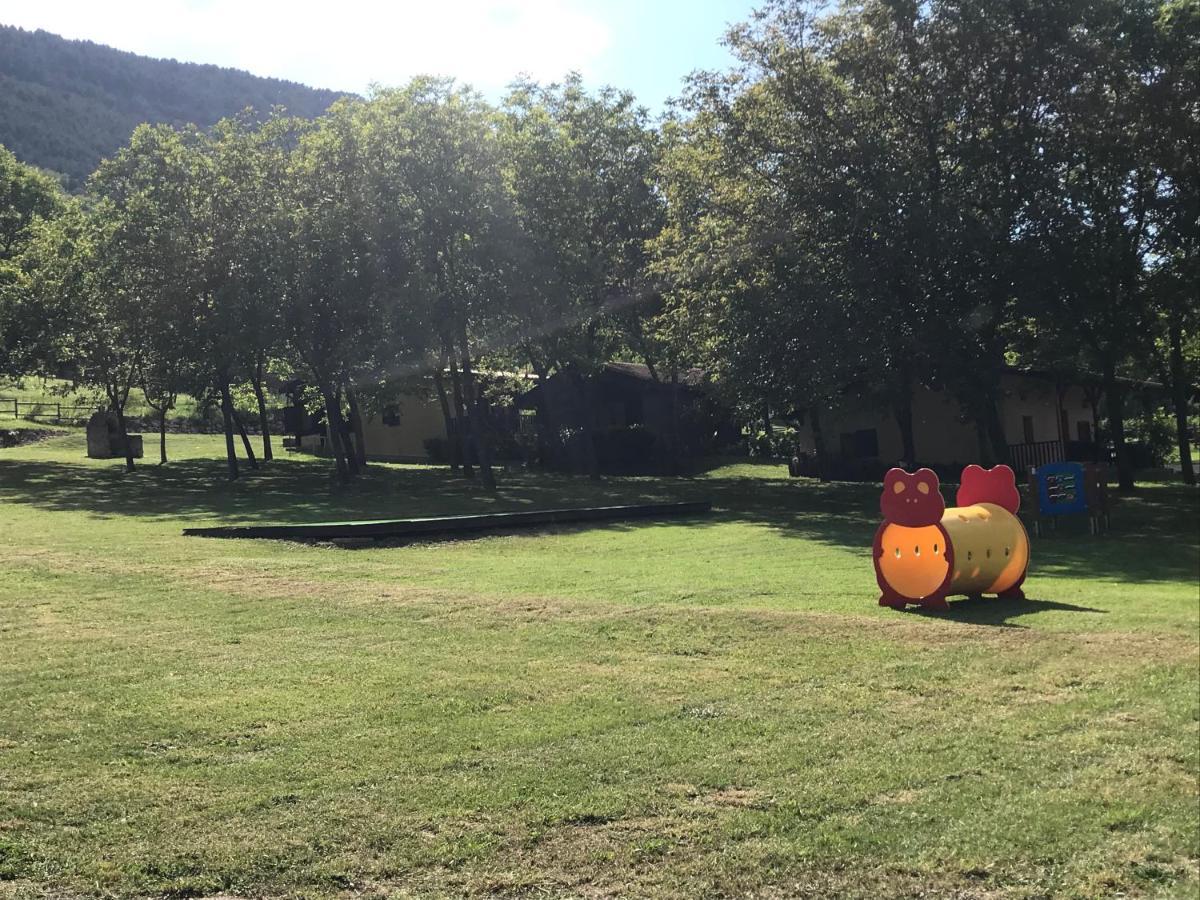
pixel 991 548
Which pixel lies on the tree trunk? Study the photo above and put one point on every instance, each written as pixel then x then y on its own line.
pixel 1179 399
pixel 333 426
pixel 984 445
pixel 1093 399
pixel 995 432
pixel 356 424
pixel 162 436
pixel 460 419
pixel 819 443
pixel 119 410
pixel 1115 406
pixel 227 417
pixel 478 421
pixel 264 422
pixel 481 421
pixel 766 416
pixel 348 451
pixel 676 439
pixel 452 446
pixel 546 428
pixel 587 422
pixel 237 420
pixel 904 419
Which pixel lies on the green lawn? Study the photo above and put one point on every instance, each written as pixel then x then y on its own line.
pixel 49 393
pixel 704 707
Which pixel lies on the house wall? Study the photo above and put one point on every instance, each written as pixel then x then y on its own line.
pixel 1078 410
pixel 420 418
pixel 941 432
pixel 1036 398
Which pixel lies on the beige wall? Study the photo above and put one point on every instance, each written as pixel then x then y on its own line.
pixel 1036 398
pixel 420 419
pixel 939 433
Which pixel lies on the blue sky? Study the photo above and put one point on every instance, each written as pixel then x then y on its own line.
pixel 647 46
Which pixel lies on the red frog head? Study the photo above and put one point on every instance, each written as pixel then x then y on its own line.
pixel 912 500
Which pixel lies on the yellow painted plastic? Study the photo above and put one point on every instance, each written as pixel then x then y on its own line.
pixel 991 548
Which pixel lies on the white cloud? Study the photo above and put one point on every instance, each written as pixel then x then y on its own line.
pixel 344 45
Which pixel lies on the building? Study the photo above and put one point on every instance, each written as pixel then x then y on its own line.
pixel 408 428
pixel 637 418
pixel 397 435
pixel 1044 420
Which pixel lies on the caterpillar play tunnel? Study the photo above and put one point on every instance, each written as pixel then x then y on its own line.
pixel 925 551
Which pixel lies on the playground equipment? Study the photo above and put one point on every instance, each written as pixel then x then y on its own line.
pixel 925 551
pixel 1066 489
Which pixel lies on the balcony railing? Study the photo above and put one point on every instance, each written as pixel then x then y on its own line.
pixel 1029 456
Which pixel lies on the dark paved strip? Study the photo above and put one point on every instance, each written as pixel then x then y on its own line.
pixel 449 525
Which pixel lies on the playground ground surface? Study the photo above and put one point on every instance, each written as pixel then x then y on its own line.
pixel 652 708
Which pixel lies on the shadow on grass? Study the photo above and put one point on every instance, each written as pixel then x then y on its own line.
pixel 1153 536
pixel 997 611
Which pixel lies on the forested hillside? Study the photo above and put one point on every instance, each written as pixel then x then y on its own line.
pixel 64 105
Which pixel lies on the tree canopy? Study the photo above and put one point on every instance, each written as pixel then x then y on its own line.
pixel 873 198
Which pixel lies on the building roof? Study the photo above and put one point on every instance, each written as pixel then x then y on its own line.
pixel 640 371
pixel 633 374
pixel 1077 378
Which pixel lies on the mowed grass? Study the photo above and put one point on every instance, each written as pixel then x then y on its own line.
pixel 712 706
pixel 51 394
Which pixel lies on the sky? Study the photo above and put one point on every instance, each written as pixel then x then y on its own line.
pixel 646 46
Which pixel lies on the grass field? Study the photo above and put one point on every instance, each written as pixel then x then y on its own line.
pixel 709 707
pixel 80 401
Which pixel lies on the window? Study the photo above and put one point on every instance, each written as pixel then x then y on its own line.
pixel 1085 431
pixel 1027 427
pixel 391 415
pixel 527 423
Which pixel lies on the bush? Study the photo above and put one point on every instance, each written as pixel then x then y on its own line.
pixel 780 444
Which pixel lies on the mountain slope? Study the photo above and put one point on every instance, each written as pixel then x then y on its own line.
pixel 64 105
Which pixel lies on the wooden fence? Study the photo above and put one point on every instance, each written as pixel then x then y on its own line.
pixel 45 411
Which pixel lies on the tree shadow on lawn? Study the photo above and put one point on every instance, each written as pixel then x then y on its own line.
pixel 998 611
pixel 1153 535
pixel 288 490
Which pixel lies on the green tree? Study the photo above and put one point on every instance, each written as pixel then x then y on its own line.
pixel 335 317
pixel 582 173
pixel 26 196
pixel 245 179
pixel 448 218
pixel 73 276
pixel 1096 220
pixel 158 209
pixel 1173 106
